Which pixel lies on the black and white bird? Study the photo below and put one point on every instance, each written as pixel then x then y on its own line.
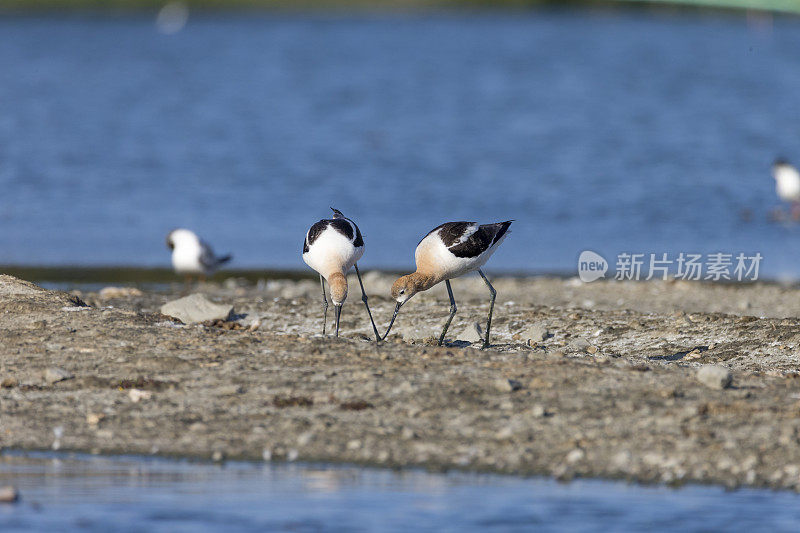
pixel 332 247
pixel 449 251
pixel 787 184
pixel 191 256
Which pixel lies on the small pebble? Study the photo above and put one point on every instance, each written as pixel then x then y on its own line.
pixel 694 354
pixel 575 455
pixel 473 333
pixel 54 375
pixel 507 385
pixel 94 419
pixel 305 438
pixel 137 395
pixel 538 411
pixel 505 433
pixel 580 345
pixel 118 292
pixel 715 376
pixel 407 433
pixel 535 333
pixel 196 308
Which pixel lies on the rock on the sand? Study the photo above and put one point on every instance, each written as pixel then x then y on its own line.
pixel 136 395
pixel 507 385
pixel 196 308
pixel 472 333
pixel 55 374
pixel 715 376
pixel 580 345
pixel 535 333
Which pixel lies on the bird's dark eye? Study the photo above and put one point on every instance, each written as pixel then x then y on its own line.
pixel 402 291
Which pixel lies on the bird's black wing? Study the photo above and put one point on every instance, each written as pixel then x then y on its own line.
pixel 481 239
pixel 313 233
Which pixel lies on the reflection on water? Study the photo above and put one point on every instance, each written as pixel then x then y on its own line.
pixel 609 131
pixel 84 493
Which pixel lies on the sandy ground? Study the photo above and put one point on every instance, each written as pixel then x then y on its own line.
pixel 596 380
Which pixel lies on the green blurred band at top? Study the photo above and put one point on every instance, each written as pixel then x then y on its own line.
pixel 787 6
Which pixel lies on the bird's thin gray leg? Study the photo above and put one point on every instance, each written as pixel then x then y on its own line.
pixel 364 299
pixel 491 307
pixel 324 304
pixel 453 310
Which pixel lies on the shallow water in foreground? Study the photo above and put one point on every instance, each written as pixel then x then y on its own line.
pixel 87 493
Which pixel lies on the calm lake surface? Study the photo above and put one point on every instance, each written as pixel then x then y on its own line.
pixel 83 493
pixel 610 131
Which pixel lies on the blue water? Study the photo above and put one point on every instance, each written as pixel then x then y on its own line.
pixel 82 493
pixel 612 131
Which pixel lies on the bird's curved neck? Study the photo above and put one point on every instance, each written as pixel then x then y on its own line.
pixel 423 280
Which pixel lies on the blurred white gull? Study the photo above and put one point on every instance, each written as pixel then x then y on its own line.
pixel 191 255
pixel 172 17
pixel 787 184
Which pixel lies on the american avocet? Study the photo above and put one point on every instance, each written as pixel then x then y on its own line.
pixel 449 251
pixel 787 184
pixel 191 255
pixel 332 247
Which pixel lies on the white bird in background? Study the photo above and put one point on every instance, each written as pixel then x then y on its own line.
pixel 191 256
pixel 787 185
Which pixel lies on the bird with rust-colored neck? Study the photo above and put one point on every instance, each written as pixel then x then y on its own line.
pixel 449 251
pixel 332 247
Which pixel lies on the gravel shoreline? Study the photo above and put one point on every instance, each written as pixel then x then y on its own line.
pixel 583 380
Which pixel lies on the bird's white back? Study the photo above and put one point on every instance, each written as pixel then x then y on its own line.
pixel 332 252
